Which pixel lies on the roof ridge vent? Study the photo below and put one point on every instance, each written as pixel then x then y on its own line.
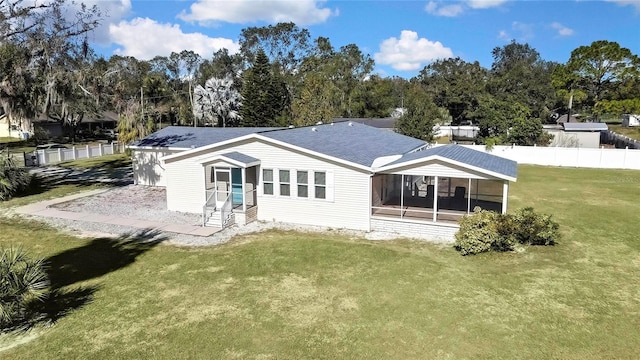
pixel 291 126
pixel 319 123
pixel 314 129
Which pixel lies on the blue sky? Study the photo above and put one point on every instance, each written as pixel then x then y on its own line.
pixel 402 36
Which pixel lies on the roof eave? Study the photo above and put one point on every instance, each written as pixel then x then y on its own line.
pixel 449 161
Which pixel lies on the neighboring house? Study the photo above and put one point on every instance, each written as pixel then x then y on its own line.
pixel 629 120
pixel 341 175
pixel 7 130
pixel 584 135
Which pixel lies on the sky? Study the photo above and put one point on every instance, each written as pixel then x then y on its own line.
pixel 401 36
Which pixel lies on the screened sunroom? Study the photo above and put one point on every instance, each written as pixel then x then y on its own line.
pixel 441 185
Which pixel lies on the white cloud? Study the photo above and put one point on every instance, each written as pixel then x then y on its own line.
pixel 484 4
pixel 113 11
pixel 301 12
pixel 145 38
pixel 524 31
pixel 562 30
pixel 519 31
pixel 634 3
pixel 410 52
pixel 454 9
pixel 447 10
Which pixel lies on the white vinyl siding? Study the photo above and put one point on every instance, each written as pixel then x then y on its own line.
pixel 148 169
pixel 185 186
pixel 347 190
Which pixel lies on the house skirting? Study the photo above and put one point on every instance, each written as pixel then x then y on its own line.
pixel 243 218
pixel 416 229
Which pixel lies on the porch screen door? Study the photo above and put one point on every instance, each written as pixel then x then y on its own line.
pixel 223 185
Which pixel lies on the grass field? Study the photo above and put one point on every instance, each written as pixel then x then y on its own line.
pixel 632 132
pixel 290 295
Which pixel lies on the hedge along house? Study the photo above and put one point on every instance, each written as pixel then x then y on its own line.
pixel 340 175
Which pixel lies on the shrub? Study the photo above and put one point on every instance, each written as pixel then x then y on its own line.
pixel 481 232
pixel 489 231
pixel 535 229
pixel 23 282
pixel 13 179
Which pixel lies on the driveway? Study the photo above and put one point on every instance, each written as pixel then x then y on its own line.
pixel 58 175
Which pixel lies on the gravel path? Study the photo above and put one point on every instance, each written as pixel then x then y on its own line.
pixel 149 203
pixel 137 202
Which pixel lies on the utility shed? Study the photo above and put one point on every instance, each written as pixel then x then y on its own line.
pixel 586 135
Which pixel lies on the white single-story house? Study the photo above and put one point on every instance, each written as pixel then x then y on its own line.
pixel 339 175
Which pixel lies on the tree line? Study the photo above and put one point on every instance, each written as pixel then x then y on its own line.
pixel 282 76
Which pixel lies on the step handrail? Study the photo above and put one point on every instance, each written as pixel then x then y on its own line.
pixel 207 205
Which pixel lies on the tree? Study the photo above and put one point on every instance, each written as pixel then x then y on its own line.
pixel 222 65
pixel 32 36
pixel 455 85
pixel 285 45
pixel 420 116
pixel 508 122
pixel 316 101
pixel 218 101
pixel 520 75
pixel 264 95
pixel 20 89
pixel 601 67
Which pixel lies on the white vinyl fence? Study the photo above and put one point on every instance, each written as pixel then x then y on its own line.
pixel 571 157
pixel 48 157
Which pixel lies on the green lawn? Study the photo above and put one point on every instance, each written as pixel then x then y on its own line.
pixel 44 190
pixel 290 295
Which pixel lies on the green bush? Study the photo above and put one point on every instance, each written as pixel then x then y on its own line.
pixel 13 179
pixel 535 229
pixel 481 232
pixel 23 282
pixel 490 231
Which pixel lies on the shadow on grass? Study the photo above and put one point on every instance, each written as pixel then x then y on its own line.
pixel 93 260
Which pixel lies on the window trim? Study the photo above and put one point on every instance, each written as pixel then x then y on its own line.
pixel 272 182
pixel 305 184
pixel 316 186
pixel 282 183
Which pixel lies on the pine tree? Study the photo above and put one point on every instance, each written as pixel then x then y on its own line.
pixel 264 101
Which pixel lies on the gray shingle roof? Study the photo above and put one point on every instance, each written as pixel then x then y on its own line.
pixel 349 141
pixel 185 137
pixel 467 156
pixel 240 157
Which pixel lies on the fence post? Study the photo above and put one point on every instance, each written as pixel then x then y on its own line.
pixel 88 152
pixel 75 155
pixel 59 155
pixel 100 149
pixel 112 151
pixel 624 161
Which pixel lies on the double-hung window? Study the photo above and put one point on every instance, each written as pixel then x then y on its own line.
pixel 303 183
pixel 285 183
pixel 267 181
pixel 320 184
